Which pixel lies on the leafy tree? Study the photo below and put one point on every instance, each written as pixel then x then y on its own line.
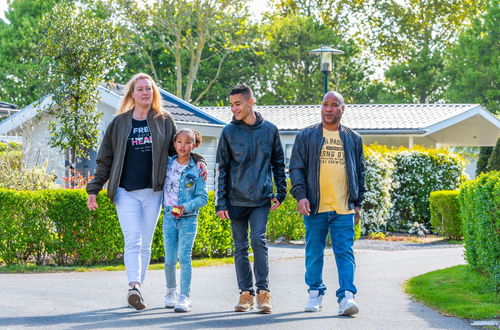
pixel 472 66
pixel 412 36
pixel 494 161
pixel 21 82
pixel 176 38
pixel 82 48
pixel 288 74
pixel 239 66
pixel 482 161
pixel 472 69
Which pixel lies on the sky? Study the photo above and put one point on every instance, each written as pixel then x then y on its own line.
pixel 257 6
pixel 3 7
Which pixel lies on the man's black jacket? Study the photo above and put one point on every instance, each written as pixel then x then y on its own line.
pixel 305 165
pixel 248 156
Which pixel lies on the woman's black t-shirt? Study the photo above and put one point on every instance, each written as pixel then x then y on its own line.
pixel 138 163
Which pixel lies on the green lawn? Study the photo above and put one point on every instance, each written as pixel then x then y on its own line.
pixel 456 291
pixel 58 269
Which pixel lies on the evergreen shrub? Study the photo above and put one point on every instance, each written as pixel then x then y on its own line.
pixel 418 172
pixel 480 212
pixel 445 213
pixel 55 227
pixel 377 204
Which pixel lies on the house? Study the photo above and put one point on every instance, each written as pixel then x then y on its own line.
pixel 7 109
pixel 429 125
pixel 32 125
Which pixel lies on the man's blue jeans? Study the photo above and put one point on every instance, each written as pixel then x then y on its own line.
pixel 178 236
pixel 241 219
pixel 341 227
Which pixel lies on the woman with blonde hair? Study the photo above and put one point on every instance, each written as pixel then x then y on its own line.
pixel 132 158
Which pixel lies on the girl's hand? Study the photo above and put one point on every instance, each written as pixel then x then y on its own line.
pixel 204 171
pixel 179 213
pixel 92 202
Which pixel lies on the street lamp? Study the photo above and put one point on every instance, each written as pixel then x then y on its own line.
pixel 326 61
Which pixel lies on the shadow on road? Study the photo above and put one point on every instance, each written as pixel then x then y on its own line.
pixel 160 317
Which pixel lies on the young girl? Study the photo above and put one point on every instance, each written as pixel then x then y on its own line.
pixel 184 193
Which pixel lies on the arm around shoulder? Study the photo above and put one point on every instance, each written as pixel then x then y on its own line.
pixel 222 174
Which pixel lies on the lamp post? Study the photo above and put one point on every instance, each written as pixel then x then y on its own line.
pixel 325 53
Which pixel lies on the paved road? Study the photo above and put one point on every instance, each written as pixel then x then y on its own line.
pixel 97 300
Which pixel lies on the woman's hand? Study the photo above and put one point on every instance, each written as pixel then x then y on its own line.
pixel 92 202
pixel 204 171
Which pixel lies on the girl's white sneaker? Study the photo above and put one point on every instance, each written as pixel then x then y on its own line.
pixel 183 305
pixel 171 297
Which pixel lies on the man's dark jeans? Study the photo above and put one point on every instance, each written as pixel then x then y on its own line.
pixel 241 219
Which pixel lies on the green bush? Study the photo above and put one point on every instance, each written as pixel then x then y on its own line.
pixel 480 211
pixel 445 213
pixel 10 156
pixel 494 160
pixel 35 178
pixel 55 226
pixel 377 204
pixel 286 223
pixel 214 237
pixel 418 172
pixel 10 146
pixel 483 159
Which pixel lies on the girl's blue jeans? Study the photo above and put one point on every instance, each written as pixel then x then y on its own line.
pixel 341 228
pixel 178 236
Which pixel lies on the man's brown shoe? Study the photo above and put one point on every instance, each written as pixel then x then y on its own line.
pixel 245 303
pixel 264 301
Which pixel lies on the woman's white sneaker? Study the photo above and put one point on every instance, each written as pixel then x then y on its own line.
pixel 183 305
pixel 171 298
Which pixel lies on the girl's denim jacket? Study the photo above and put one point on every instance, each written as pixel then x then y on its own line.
pixel 192 189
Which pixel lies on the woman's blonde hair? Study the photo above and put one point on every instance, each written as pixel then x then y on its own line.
pixel 127 103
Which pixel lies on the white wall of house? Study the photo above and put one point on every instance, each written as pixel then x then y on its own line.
pixel 208 148
pixel 36 149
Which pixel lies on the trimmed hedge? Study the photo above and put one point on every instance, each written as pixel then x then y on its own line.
pixel 480 211
pixel 55 227
pixel 445 213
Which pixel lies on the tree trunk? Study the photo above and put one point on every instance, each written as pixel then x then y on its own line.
pixel 178 63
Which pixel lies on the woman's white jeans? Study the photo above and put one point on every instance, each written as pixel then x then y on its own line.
pixel 138 212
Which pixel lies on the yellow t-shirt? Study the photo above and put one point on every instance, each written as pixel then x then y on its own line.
pixel 334 191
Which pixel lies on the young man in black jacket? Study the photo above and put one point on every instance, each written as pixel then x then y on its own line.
pixel 249 155
pixel 327 170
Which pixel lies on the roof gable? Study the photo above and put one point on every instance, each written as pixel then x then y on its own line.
pixel 111 95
